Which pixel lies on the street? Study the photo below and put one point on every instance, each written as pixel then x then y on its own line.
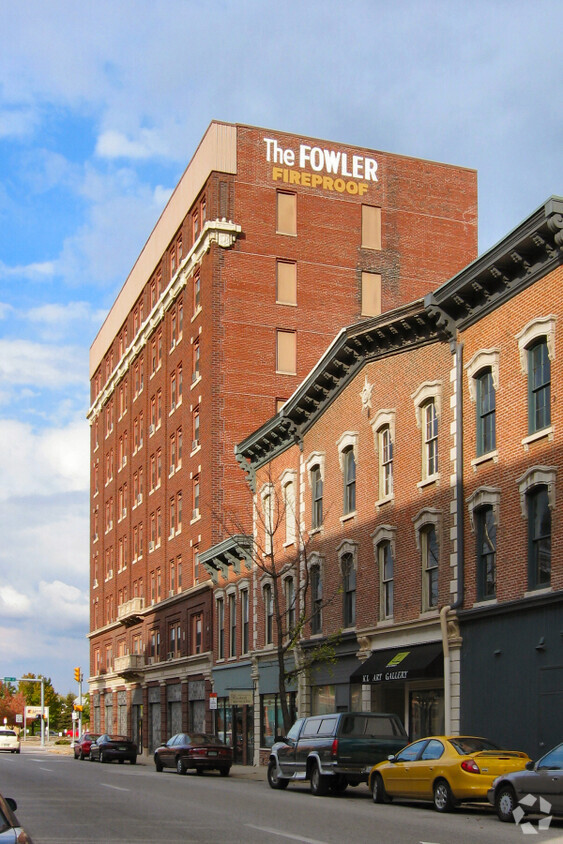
pixel 61 800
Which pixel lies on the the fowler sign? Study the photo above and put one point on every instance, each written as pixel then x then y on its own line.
pixel 321 168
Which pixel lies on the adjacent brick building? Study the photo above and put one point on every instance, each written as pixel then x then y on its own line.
pixel 416 475
pixel 268 245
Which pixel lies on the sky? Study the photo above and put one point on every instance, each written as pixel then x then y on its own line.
pixel 102 105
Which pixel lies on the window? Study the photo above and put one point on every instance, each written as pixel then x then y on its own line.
pixel 195 360
pixel 172 519
pixel 539 537
pixel 289 594
pixel 232 625
pixel 349 480
pixel 371 227
pixel 197 633
pixel 316 497
pixel 269 614
pixel 486 411
pixel 486 535
pixel 268 514
pixel 197 292
pixel 349 589
pixel 195 497
pixel 286 352
pixel 286 282
pixel 539 387
pixel 316 599
pixel 536 344
pixel 430 440
pixel 286 220
pixel 371 294
pixel 245 620
pixel 220 628
pixel 385 561
pixel 289 511
pixel 430 555
pixel 385 453
pixel 195 428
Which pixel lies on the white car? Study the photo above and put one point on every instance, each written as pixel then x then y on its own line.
pixel 9 740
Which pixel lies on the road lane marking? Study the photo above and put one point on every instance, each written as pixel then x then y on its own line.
pixel 285 834
pixel 46 769
pixel 115 787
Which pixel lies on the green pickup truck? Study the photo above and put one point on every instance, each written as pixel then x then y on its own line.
pixel 334 750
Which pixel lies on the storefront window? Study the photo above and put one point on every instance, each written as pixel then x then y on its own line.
pixel 323 699
pixel 271 719
pixel 426 710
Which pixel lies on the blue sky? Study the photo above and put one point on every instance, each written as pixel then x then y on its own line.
pixel 102 104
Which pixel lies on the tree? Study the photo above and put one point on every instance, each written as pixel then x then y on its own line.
pixel 31 692
pixel 277 529
pixel 12 703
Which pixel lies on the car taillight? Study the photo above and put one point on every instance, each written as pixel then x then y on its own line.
pixel 471 766
pixel 334 750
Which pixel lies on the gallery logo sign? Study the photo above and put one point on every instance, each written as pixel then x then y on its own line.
pixel 529 801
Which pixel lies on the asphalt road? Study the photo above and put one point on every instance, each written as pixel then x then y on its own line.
pixel 61 800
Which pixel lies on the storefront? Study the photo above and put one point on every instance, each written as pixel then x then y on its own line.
pixel 234 716
pixel 409 682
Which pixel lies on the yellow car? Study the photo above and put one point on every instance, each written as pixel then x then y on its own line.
pixel 444 769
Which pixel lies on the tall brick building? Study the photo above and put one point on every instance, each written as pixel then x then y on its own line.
pixel 268 245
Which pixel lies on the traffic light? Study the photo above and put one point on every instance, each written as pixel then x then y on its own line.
pixel 77 675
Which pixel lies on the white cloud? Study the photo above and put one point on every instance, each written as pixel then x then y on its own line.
pixel 63 605
pixel 41 365
pixel 113 144
pixel 38 271
pixel 45 462
pixel 13 603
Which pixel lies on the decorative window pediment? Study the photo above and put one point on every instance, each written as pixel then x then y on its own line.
pixel 537 475
pixel 536 328
pixel 484 359
pixel 482 497
pixel 427 391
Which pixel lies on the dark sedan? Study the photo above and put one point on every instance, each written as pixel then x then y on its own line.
pixel 198 751
pixel 538 789
pixel 106 748
pixel 82 746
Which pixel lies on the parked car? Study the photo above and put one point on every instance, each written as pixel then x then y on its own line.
pixel 9 740
pixel 540 782
pixel 82 746
pixel 106 748
pixel 334 750
pixel 194 750
pixel 444 769
pixel 10 828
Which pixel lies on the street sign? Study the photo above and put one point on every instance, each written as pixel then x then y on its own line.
pixel 9 679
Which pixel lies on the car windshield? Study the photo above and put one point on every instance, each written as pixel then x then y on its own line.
pixel 7 732
pixel 467 744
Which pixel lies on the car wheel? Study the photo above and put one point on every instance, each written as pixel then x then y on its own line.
pixel 273 780
pixel 133 760
pixel 92 758
pixel 101 757
pixel 121 761
pixel 505 803
pixel 319 783
pixel 158 765
pixel 81 756
pixel 338 784
pixel 199 772
pixel 180 767
pixel 224 772
pixel 443 797
pixel 378 792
